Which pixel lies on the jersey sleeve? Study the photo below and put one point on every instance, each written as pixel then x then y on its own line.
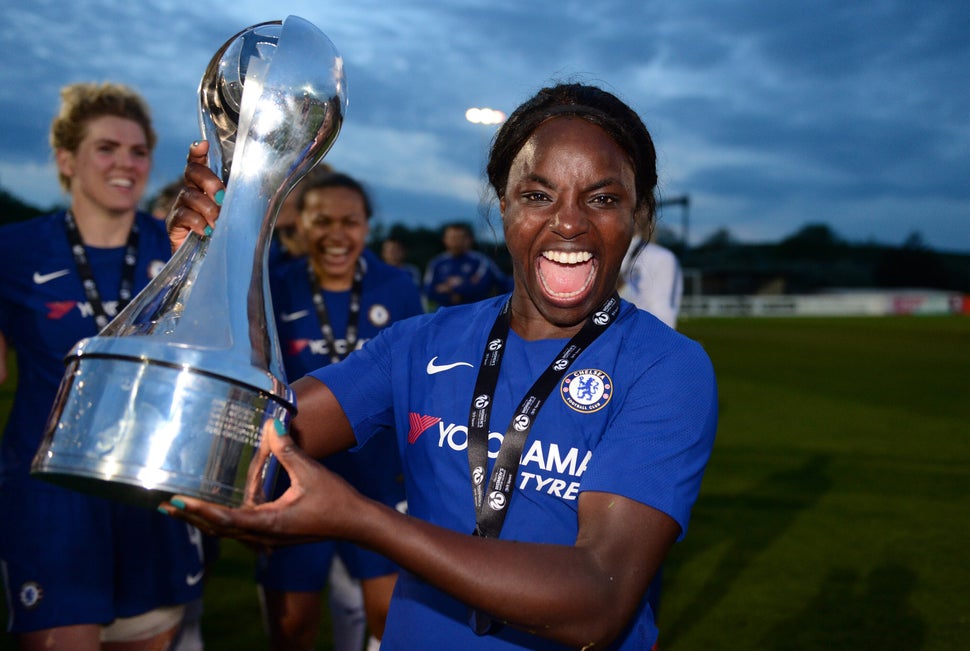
pixel 657 446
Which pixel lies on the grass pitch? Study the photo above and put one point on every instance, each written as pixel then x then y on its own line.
pixel 835 508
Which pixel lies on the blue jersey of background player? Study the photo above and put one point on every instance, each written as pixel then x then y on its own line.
pixel 384 299
pixel 387 295
pixel 327 304
pixel 65 550
pixel 635 415
pixel 461 274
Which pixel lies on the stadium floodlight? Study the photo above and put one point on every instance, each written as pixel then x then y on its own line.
pixel 484 116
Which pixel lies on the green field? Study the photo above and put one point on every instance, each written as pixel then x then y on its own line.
pixel 835 509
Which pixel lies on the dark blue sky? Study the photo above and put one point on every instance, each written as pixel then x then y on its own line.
pixel 769 116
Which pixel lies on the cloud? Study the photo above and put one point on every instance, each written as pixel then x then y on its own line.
pixel 769 115
pixel 410 161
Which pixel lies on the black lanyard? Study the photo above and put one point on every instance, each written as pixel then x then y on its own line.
pixel 490 510
pixel 87 276
pixel 353 313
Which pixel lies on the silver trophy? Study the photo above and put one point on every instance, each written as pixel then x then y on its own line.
pixel 171 396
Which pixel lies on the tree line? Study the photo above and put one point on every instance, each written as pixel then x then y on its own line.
pixel 816 258
pixel 811 259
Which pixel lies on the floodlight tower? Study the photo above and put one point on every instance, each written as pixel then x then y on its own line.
pixel 684 202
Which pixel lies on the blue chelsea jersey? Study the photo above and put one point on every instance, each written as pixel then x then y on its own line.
pixel 387 295
pixel 634 415
pixel 44 312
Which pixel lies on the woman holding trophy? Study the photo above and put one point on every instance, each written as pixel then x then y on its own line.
pixel 83 572
pixel 553 439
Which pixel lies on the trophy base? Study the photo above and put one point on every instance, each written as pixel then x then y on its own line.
pixel 139 431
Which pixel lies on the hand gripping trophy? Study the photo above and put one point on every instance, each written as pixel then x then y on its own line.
pixel 171 396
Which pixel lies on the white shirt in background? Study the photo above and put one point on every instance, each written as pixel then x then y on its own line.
pixel 652 280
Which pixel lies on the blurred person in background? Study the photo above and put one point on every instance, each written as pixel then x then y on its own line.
pixel 287 243
pixel 82 572
pixel 651 278
pixel 461 274
pixel 394 253
pixel 328 303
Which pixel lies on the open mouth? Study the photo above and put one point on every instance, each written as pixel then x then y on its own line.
pixel 566 275
pixel 337 256
pixel 334 251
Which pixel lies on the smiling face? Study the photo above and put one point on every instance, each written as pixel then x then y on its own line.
pixel 109 170
pixel 568 214
pixel 334 227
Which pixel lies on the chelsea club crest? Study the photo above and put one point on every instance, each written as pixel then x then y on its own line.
pixel 31 594
pixel 587 390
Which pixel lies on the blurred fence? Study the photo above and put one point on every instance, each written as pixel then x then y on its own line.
pixel 837 303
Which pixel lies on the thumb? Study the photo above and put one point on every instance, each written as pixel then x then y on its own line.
pixel 290 455
pixel 276 450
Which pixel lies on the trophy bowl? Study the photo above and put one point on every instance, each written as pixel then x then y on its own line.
pixel 172 395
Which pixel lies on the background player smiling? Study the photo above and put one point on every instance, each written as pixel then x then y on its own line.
pixel 83 573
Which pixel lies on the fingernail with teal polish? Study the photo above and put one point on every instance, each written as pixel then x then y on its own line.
pixel 177 503
pixel 163 510
pixel 208 231
pixel 280 427
pixel 196 143
pixel 219 196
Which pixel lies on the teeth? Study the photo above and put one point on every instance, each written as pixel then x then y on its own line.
pixel 124 183
pixel 572 257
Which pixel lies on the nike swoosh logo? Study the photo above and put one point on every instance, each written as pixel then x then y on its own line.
pixel 40 279
pixel 192 579
pixel 286 317
pixel 434 368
